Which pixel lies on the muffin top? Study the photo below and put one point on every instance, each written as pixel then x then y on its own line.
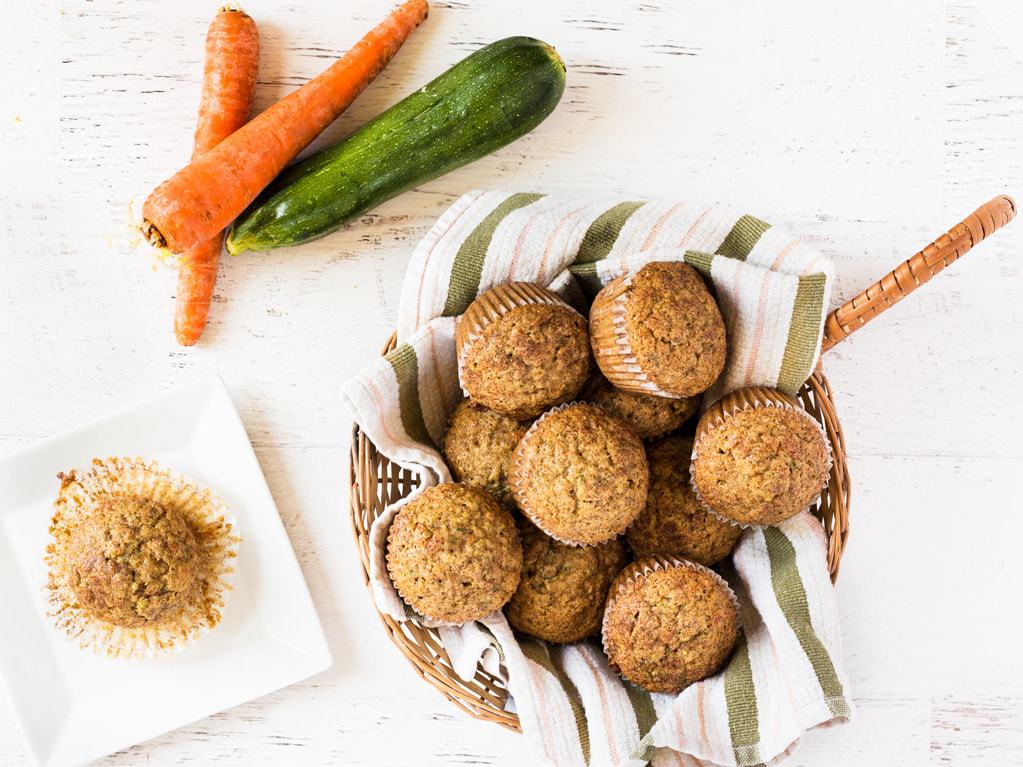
pixel 132 562
pixel 648 415
pixel 675 328
pixel 454 554
pixel 561 594
pixel 478 447
pixel 668 627
pixel 761 465
pixel 527 360
pixel 580 474
pixel 674 522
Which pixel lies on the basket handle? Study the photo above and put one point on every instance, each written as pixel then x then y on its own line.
pixel 908 276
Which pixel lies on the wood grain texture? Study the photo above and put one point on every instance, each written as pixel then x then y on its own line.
pixel 866 128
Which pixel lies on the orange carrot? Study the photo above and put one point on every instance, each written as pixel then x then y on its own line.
pixel 205 196
pixel 229 81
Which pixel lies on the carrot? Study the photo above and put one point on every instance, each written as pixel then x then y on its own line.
pixel 229 81
pixel 205 196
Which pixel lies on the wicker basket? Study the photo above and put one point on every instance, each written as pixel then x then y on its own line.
pixel 376 482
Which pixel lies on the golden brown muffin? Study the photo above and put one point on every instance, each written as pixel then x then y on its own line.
pixel 454 554
pixel 478 447
pixel 759 465
pixel 668 624
pixel 670 339
pixel 580 474
pixel 133 562
pixel 563 588
pixel 674 522
pixel 521 358
pixel 140 560
pixel 647 414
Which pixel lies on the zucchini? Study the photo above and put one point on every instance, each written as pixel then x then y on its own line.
pixel 485 101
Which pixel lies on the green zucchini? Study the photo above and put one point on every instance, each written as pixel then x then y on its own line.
pixel 485 101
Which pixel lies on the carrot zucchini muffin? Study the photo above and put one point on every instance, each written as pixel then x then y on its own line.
pixel 563 588
pixel 659 331
pixel 669 623
pixel 674 522
pixel 133 561
pixel 139 561
pixel 647 414
pixel 454 554
pixel 521 349
pixel 759 457
pixel 478 447
pixel 580 474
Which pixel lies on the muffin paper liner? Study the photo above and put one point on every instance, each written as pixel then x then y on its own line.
pixel 518 479
pixel 207 516
pixel 609 340
pixel 748 399
pixel 493 304
pixel 641 568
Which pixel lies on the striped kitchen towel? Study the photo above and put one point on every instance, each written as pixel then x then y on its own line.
pixel 785 676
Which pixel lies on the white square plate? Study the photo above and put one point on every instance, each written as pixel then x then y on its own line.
pixel 73 705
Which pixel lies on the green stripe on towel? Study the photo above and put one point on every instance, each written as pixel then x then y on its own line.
pixel 804 330
pixel 598 241
pixel 604 231
pixel 701 262
pixel 646 718
pixel 539 653
pixel 791 594
pixel 406 369
pixel 744 236
pixel 643 706
pixel 741 701
pixel 464 284
pixel 587 278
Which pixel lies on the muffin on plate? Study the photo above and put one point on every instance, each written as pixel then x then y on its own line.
pixel 563 588
pixel 659 331
pixel 454 554
pixel 759 457
pixel 478 447
pixel 521 349
pixel 647 414
pixel 674 523
pixel 669 623
pixel 580 474
pixel 140 560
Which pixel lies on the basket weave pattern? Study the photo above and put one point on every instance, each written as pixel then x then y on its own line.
pixel 376 482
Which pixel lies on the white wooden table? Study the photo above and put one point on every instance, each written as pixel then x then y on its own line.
pixel 865 127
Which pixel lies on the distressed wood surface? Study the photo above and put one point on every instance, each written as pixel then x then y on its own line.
pixel 866 128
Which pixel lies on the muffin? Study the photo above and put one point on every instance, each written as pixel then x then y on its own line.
pixel 674 522
pixel 563 588
pixel 140 560
pixel 659 331
pixel 647 414
pixel 521 349
pixel 478 447
pixel 580 474
pixel 132 561
pixel 454 554
pixel 669 623
pixel 759 458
